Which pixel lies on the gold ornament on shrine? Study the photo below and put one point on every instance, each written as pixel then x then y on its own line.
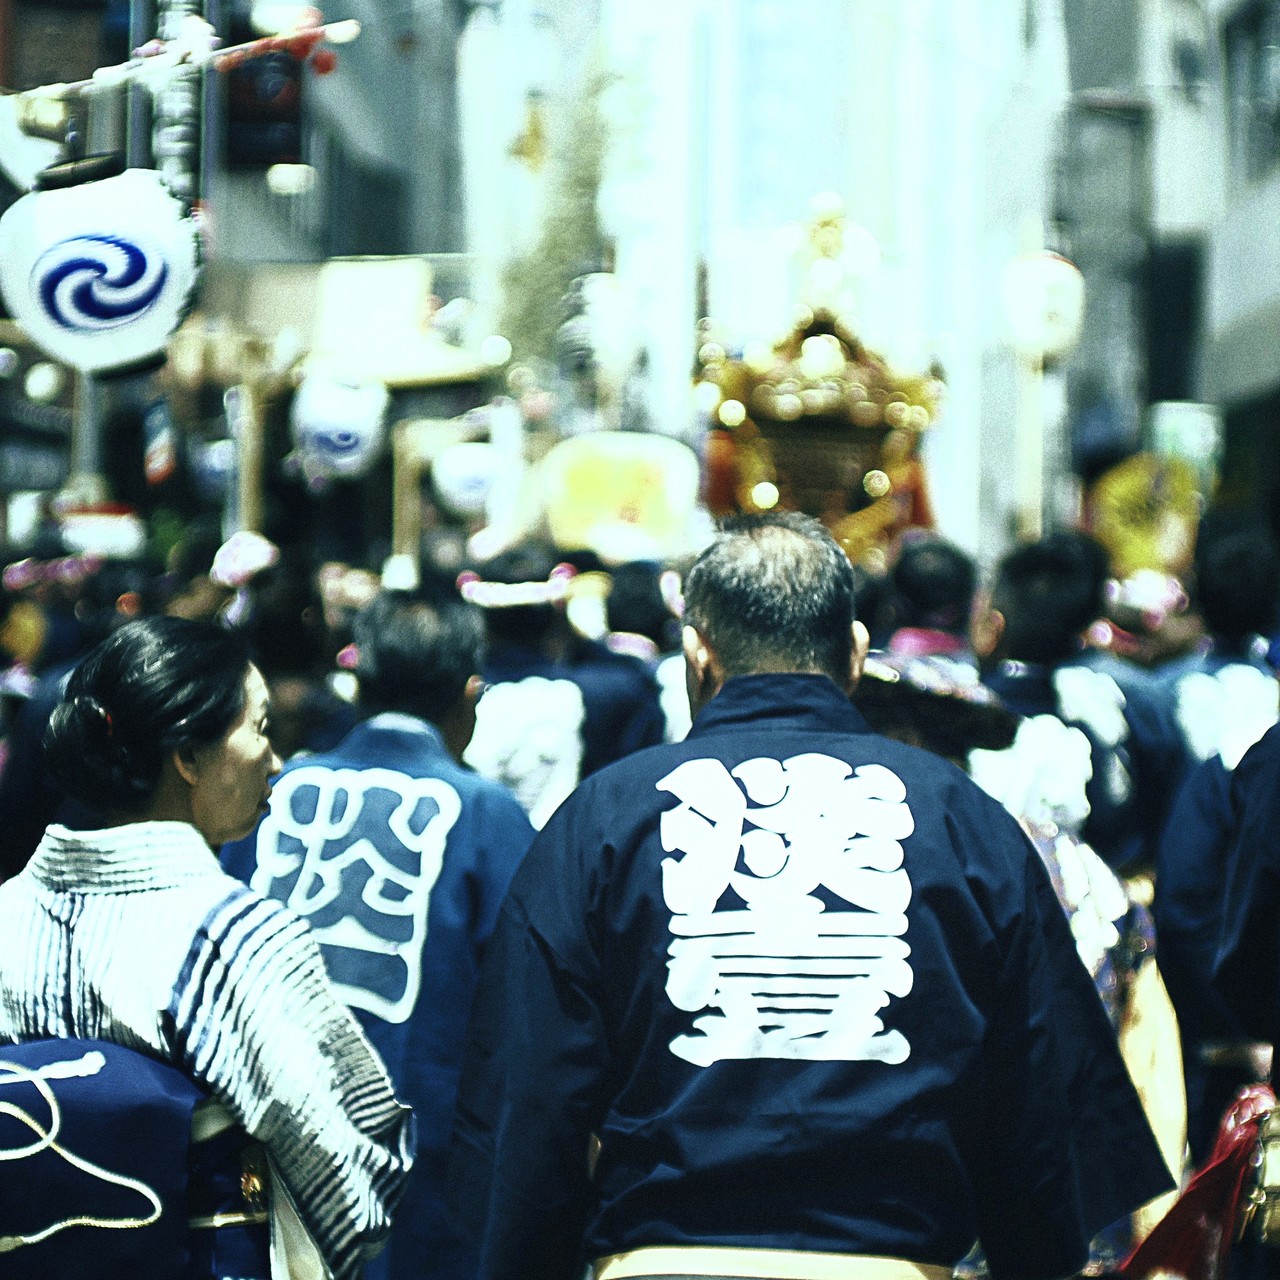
pixel 821 423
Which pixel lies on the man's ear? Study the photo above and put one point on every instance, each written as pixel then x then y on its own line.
pixel 986 629
pixel 459 722
pixel 696 653
pixel 861 643
pixel 702 673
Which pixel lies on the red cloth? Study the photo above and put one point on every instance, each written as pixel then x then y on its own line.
pixel 1194 1238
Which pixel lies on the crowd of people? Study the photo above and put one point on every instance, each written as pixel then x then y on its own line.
pixel 755 917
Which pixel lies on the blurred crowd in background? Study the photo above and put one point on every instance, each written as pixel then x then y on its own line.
pixel 1106 713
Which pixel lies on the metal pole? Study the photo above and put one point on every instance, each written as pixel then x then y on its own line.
pixel 210 115
pixel 142 23
pixel 176 135
pixel 1030 447
pixel 86 478
pixel 104 134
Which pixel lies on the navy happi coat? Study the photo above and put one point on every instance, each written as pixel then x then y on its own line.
pixel 811 989
pixel 399 858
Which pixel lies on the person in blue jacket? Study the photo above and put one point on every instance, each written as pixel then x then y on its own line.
pixel 1028 638
pixel 787 998
pixel 1247 965
pixel 558 706
pixel 1226 697
pixel 399 857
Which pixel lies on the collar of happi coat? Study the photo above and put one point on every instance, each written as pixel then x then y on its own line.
pixel 135 856
pixel 779 701
pixel 402 722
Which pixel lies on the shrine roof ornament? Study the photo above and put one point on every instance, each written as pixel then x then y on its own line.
pixel 818 421
pixel 819 373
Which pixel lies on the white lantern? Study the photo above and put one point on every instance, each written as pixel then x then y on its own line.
pixel 462 476
pixel 1044 303
pixel 100 274
pixel 339 427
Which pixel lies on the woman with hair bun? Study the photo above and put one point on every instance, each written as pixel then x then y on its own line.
pixel 133 934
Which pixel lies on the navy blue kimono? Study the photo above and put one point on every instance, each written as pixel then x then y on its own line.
pixel 399 858
pixel 1191 878
pixel 810 989
pixel 1247 970
pixel 112 1192
pixel 620 696
pixel 1133 742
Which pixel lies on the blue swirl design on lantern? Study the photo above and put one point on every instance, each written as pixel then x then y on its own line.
pixel 90 283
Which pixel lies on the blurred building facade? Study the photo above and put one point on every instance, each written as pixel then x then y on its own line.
pixel 381 137
pixel 1138 138
pixel 1241 294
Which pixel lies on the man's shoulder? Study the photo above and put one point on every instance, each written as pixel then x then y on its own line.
pixel 364 751
pixel 616 676
pixel 1257 776
pixel 850 751
pixel 488 799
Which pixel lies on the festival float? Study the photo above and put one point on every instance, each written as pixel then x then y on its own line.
pixel 818 422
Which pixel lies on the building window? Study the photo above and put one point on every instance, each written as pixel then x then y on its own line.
pixel 1252 40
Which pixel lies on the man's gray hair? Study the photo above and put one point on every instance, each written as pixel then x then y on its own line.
pixel 774 592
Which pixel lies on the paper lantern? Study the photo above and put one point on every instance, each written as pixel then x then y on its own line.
pixel 339 427
pixel 625 495
pixel 100 274
pixel 1044 303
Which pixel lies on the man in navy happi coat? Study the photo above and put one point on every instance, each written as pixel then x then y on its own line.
pixel 787 992
pixel 399 858
pixel 1028 639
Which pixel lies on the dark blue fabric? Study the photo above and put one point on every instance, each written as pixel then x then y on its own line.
pixel 29 797
pixel 1124 831
pixel 1210 657
pixel 1211 660
pixel 1157 755
pixel 218 1168
pixel 1111 827
pixel 365 924
pixel 1191 876
pixel 619 693
pixel 133 1118
pixel 1247 970
pixel 1011 1118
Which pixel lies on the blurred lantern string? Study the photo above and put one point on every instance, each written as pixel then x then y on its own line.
pixel 196 45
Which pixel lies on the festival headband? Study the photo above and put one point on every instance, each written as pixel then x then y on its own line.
pixel 509 595
pixel 73 570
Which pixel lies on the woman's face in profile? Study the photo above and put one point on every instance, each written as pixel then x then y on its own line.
pixel 233 775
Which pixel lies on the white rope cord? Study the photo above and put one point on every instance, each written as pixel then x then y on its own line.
pixel 46 1140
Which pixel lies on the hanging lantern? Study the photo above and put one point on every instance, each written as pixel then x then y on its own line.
pixel 100 274
pixel 339 428
pixel 1044 303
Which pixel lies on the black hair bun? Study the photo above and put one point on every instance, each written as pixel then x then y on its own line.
pixel 96 721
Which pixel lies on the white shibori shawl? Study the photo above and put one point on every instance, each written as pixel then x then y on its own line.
pixel 135 935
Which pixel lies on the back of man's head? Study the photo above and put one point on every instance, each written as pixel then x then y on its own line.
pixel 934 582
pixel 528 563
pixel 636 604
pixel 1236 585
pixel 1048 593
pixel 774 592
pixel 417 651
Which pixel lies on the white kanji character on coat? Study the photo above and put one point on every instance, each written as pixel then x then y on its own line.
pixel 788 917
